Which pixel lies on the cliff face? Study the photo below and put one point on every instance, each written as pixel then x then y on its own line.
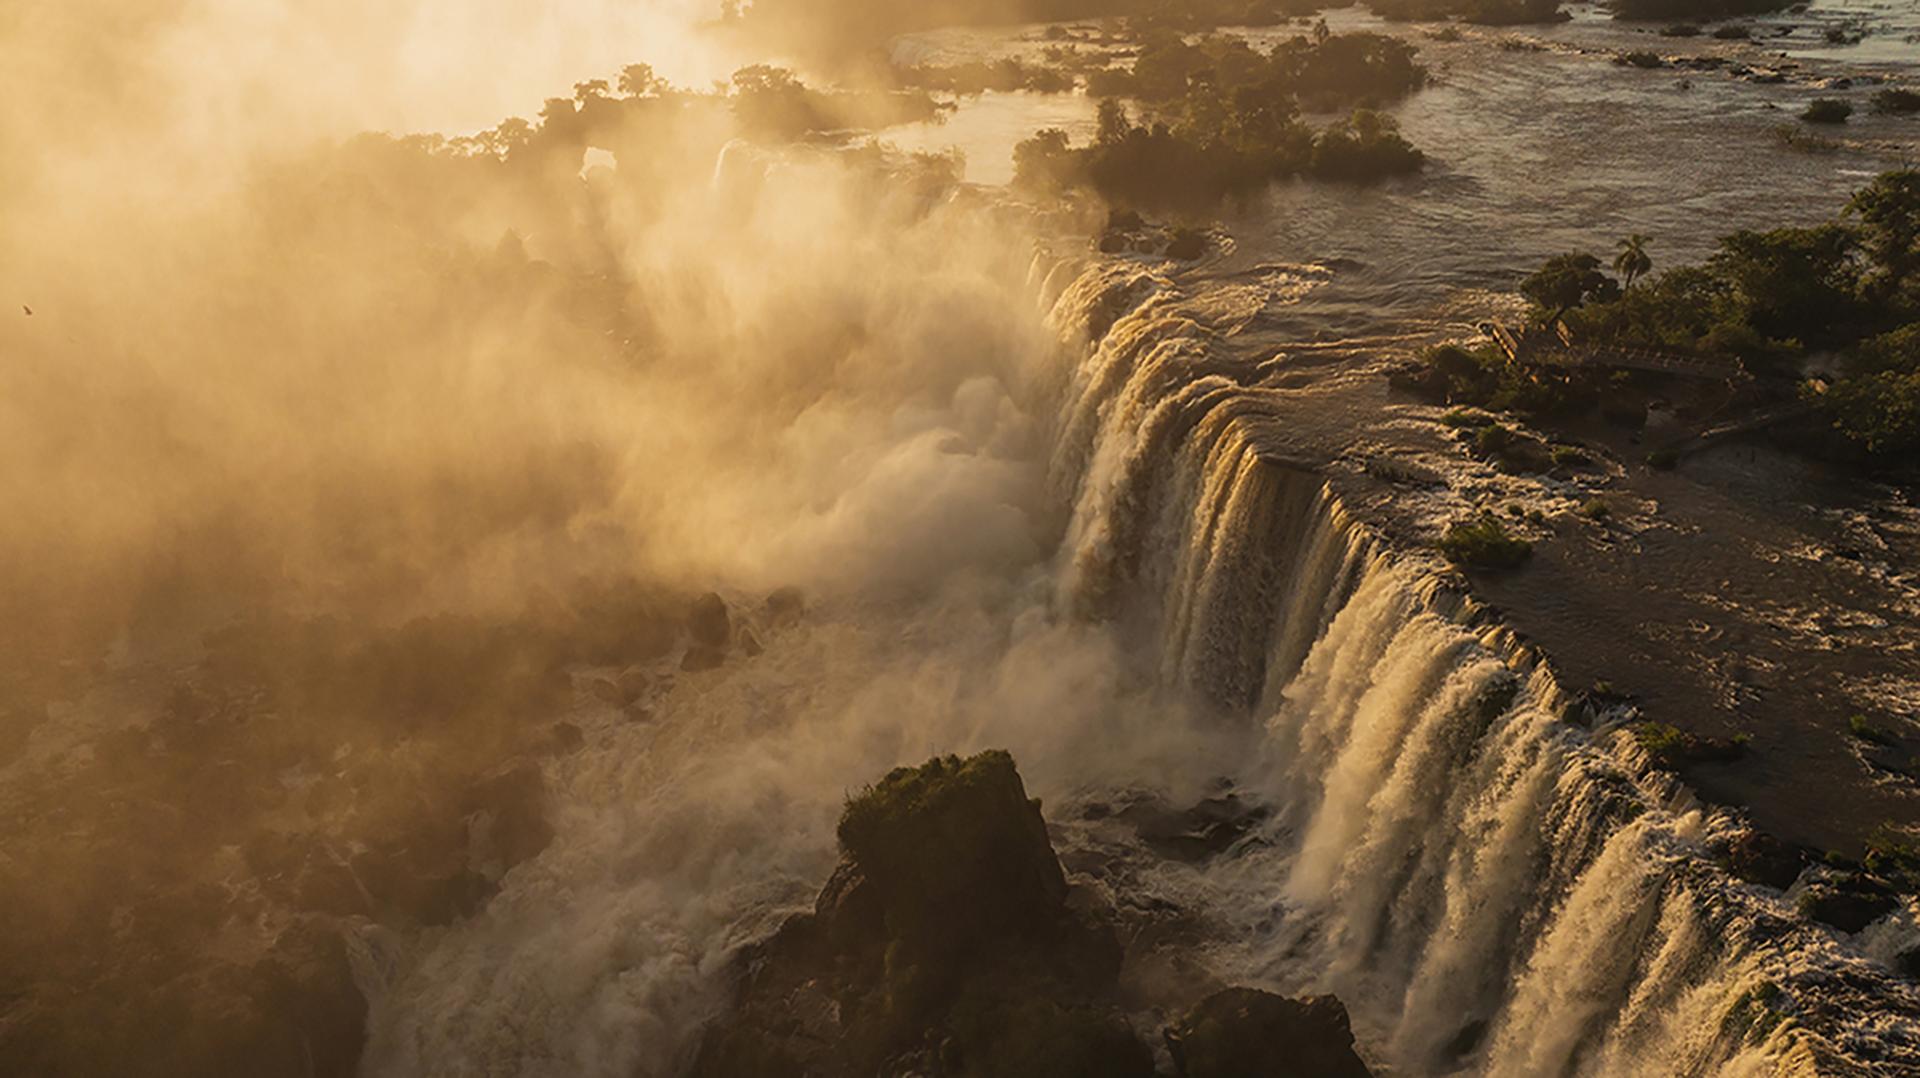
pixel 1488 868
pixel 949 943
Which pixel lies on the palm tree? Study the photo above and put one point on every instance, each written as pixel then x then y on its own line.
pixel 1632 262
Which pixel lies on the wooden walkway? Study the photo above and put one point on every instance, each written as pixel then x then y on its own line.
pixel 1535 347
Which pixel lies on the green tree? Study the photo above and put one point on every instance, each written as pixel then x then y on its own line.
pixel 1791 284
pixel 773 101
pixel 1898 351
pixel 1878 411
pixel 1045 163
pixel 1111 123
pixel 1889 213
pixel 511 135
pixel 1567 281
pixel 558 116
pixel 1632 262
pixel 638 80
pixel 1164 66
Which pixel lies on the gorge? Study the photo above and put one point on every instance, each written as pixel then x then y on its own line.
pixel 457 585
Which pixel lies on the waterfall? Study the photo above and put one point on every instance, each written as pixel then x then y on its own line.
pixel 1491 886
pixel 1492 882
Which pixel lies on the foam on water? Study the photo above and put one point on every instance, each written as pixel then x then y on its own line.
pixel 1487 884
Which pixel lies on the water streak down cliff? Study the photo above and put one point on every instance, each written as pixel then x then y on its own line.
pixel 1491 876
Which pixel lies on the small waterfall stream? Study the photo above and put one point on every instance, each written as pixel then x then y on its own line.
pixel 1492 886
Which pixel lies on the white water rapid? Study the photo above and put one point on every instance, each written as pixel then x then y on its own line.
pixel 1491 879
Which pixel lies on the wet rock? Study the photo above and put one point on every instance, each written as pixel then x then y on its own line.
pixel 1244 1032
pixel 633 683
pixel 1892 759
pixel 947 943
pixel 1850 903
pixel 1907 963
pixel 956 852
pixel 421 881
pixel 616 622
pixel 506 814
pixel 1757 857
pixel 1122 232
pixel 605 690
pixel 700 658
pixel 1206 830
pixel 1188 244
pixel 304 873
pixel 785 605
pixel 708 622
pixel 849 911
pixel 1628 415
pixel 449 863
pixel 565 739
pixel 1465 1042
pixel 327 885
pixel 316 1016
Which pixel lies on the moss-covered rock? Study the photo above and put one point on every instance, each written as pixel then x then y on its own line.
pixel 1244 1032
pixel 956 852
pixel 944 944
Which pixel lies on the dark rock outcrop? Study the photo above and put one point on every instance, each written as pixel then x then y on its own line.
pixel 708 622
pixel 1247 1033
pixel 1907 963
pixel 449 862
pixel 785 605
pixel 315 1016
pixel 945 944
pixel 1757 857
pixel 1849 903
pixel 1211 827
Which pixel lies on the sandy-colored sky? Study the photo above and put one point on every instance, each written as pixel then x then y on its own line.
pixel 346 64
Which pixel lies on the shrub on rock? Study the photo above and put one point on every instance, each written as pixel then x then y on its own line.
pixel 1896 101
pixel 1827 110
pixel 1484 544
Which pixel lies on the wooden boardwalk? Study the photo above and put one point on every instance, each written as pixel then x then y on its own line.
pixel 1534 347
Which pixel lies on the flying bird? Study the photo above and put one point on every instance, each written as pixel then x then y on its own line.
pixel 27 309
